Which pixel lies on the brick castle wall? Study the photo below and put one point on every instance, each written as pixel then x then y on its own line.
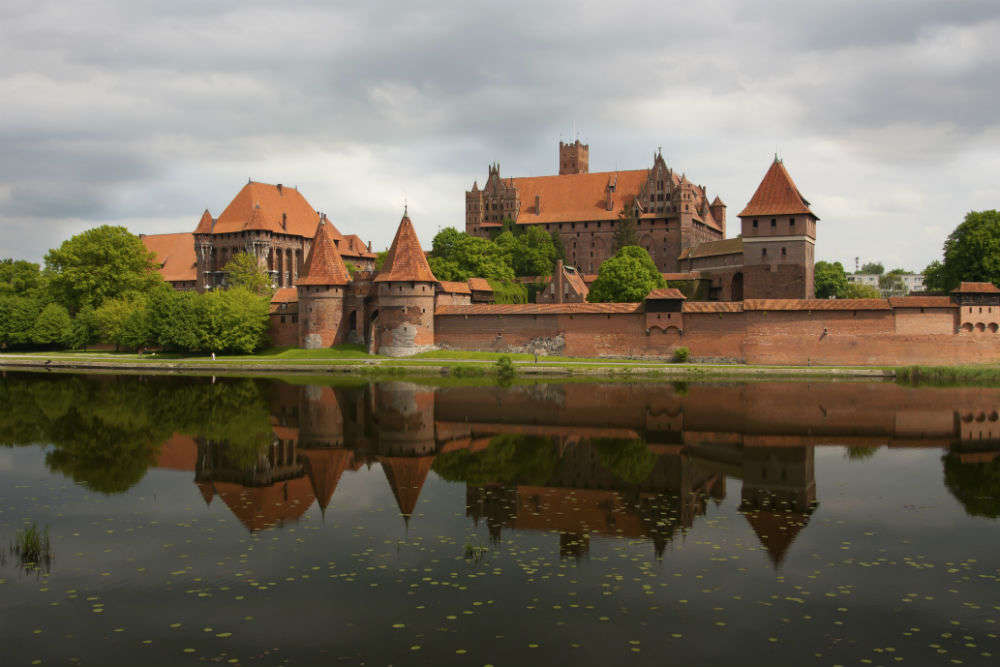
pixel 862 337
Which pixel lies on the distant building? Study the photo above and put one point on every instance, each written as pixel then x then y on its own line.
pixel 914 282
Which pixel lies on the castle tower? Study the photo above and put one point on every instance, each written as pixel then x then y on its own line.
pixel 405 297
pixel 574 158
pixel 321 291
pixel 779 238
pixel 718 210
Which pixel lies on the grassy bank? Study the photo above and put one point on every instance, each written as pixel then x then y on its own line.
pixel 949 376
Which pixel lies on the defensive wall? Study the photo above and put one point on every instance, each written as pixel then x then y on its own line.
pixel 905 330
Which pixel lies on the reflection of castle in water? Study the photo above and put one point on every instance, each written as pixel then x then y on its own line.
pixel 583 460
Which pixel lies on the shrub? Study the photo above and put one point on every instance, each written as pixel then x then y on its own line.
pixel 681 354
pixel 505 369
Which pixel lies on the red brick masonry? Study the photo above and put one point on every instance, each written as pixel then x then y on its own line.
pixel 917 330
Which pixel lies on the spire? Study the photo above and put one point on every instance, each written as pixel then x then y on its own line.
pixel 406 476
pixel 405 260
pixel 324 265
pixel 776 530
pixel 205 224
pixel 324 469
pixel 777 195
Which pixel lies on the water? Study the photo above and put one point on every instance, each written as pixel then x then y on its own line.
pixel 259 522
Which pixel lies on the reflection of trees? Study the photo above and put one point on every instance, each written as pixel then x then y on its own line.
pixel 629 460
pixel 508 459
pixel 975 485
pixel 860 453
pixel 107 430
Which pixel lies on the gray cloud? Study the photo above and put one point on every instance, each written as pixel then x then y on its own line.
pixel 141 113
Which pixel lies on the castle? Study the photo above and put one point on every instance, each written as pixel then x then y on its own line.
pixel 760 284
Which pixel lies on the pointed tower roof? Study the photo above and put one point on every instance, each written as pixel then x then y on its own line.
pixel 777 195
pixel 207 491
pixel 406 476
pixel 717 201
pixel 405 260
pixel 205 224
pixel 776 530
pixel 324 266
pixel 325 468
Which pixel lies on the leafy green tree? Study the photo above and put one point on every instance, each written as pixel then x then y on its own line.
pixel 627 229
pixel 892 283
pixel 125 322
pixel 243 270
pixel 529 252
pixel 859 291
pixel 53 327
pixel 627 277
pixel 557 244
pixel 19 277
pixel 99 264
pixel 17 319
pixel 178 320
pixel 830 279
pixel 872 267
pixel 971 253
pixel 380 259
pixel 85 329
pixel 236 321
pixel 628 460
pixel 509 459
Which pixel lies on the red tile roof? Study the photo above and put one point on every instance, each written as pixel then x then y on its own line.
pixel 815 304
pixel 713 307
pixel 285 295
pixel 666 293
pixel 713 248
pixel 174 255
pixel 690 275
pixel 262 507
pixel 278 209
pixel 324 265
pixel 324 467
pixel 977 288
pixel 406 476
pixel 539 309
pixel 921 302
pixel 480 285
pixel 776 195
pixel 454 287
pixel 405 260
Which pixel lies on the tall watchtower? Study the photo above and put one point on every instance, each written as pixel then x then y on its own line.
pixel 574 158
pixel 321 291
pixel 405 297
pixel 779 239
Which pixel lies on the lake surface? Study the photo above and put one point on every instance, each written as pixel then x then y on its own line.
pixel 244 521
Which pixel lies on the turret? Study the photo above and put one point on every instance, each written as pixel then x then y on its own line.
pixel 718 210
pixel 321 292
pixel 405 297
pixel 779 238
pixel 574 158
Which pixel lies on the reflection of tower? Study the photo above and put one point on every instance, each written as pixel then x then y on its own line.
pixel 321 441
pixel 405 444
pixel 779 494
pixel 262 485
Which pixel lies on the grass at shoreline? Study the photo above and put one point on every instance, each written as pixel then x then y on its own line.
pixel 949 376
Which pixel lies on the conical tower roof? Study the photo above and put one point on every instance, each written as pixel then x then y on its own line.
pixel 777 195
pixel 205 224
pixel 406 476
pixel 776 530
pixel 325 468
pixel 324 266
pixel 405 260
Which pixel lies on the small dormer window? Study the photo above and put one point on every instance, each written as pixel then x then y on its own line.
pixel 791 222
pixel 763 252
pixel 755 224
pixel 774 223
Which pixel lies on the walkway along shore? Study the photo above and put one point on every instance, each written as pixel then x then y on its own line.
pixel 610 367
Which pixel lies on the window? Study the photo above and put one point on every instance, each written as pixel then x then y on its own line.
pixel 755 224
pixel 774 223
pixel 791 222
pixel 282 319
pixel 763 252
pixel 784 252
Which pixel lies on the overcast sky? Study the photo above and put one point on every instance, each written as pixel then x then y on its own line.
pixel 144 113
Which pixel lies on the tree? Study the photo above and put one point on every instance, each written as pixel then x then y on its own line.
pixel 971 253
pixel 236 321
pixel 85 329
pixel 178 320
pixel 529 252
pixel 859 291
pixel 627 229
pixel 380 259
pixel 17 319
pixel 243 270
pixel 19 277
pixel 99 264
pixel 872 267
pixel 628 276
pixel 892 283
pixel 830 279
pixel 53 327
pixel 459 256
pixel 125 322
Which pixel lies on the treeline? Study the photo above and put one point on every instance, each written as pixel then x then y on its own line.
pixel 102 286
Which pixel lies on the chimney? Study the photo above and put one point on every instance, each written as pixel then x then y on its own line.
pixel 538 205
pixel 279 188
pixel 557 282
pixel 284 221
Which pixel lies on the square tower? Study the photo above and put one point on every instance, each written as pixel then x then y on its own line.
pixel 574 158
